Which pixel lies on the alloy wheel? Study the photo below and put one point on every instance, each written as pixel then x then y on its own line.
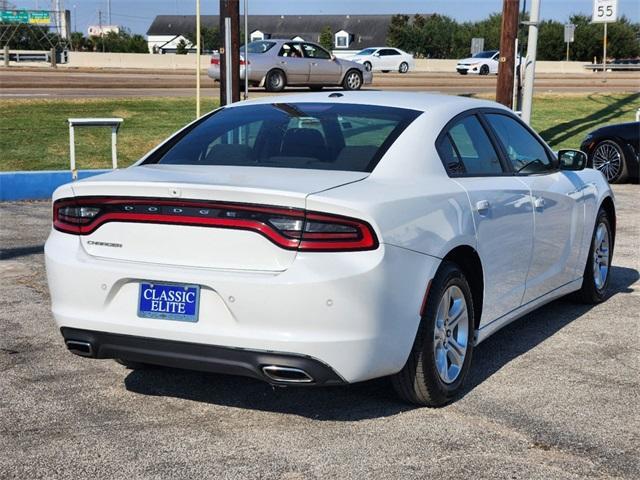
pixel 601 256
pixel 451 334
pixel 353 81
pixel 608 159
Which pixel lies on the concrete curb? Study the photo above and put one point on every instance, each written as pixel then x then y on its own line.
pixel 37 185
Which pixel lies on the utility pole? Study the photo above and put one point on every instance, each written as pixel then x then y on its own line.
pixel 530 62
pixel 100 26
pixel 506 68
pixel 109 11
pixel 230 51
pixel 198 34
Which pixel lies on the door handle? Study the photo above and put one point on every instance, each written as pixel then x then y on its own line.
pixel 282 62
pixel 314 64
pixel 483 206
pixel 538 203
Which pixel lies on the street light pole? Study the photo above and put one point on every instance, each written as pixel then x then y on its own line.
pixel 246 53
pixel 197 58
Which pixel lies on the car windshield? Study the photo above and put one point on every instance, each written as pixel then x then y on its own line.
pixel 366 51
pixel 258 47
pixel 487 54
pixel 324 136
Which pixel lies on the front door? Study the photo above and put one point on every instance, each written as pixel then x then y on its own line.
pixel 557 202
pixel 291 60
pixel 502 213
pixel 323 69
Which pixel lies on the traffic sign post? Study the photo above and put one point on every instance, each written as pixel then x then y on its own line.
pixel 604 11
pixel 569 31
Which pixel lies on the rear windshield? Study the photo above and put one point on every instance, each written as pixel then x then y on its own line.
pixel 258 47
pixel 323 136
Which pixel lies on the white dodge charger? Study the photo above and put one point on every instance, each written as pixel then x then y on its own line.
pixel 322 239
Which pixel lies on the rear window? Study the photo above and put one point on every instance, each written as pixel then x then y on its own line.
pixel 323 136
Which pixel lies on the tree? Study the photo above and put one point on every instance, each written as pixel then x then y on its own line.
pixel 209 37
pixel 551 44
pixel 326 38
pixel 181 48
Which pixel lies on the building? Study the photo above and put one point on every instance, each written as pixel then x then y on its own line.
pixel 98 31
pixel 350 32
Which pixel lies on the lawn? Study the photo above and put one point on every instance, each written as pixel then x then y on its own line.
pixel 34 133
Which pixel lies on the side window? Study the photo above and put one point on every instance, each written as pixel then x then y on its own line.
pixel 525 152
pixel 290 50
pixel 466 149
pixel 313 51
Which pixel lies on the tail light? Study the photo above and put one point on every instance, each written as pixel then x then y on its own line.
pixel 289 228
pixel 215 61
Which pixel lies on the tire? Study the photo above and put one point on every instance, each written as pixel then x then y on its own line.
pixel 315 88
pixel 352 80
pixel 608 157
pixel 484 70
pixel 595 283
pixel 367 66
pixel 425 380
pixel 275 81
pixel 132 365
pixel 403 68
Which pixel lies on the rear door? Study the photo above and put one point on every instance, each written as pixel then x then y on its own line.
pixel 291 60
pixel 323 69
pixel 502 211
pixel 558 206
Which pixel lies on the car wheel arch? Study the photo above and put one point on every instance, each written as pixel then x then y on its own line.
pixel 467 259
pixel 608 206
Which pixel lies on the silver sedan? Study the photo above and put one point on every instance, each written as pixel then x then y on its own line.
pixel 274 64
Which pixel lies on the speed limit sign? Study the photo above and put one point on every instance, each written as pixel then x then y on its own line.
pixel 605 11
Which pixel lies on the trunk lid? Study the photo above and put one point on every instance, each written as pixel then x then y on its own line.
pixel 202 246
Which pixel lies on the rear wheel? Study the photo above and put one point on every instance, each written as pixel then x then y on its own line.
pixel 595 280
pixel 404 67
pixel 442 350
pixel 484 70
pixel 275 81
pixel 352 80
pixel 608 157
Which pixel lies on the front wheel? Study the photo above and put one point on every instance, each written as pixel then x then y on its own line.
pixel 367 66
pixel 595 279
pixel 275 81
pixel 442 350
pixel 608 157
pixel 352 80
pixel 484 70
pixel 404 67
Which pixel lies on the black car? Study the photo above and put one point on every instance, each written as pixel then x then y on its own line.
pixel 615 151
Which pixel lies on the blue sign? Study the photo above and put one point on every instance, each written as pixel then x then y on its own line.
pixel 169 302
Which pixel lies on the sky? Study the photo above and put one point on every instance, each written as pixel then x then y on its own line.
pixel 137 15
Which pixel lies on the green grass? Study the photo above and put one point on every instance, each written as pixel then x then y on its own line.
pixel 34 134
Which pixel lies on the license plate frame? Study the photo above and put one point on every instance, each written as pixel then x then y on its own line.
pixel 167 309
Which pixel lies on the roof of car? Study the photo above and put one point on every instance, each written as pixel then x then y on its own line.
pixel 421 101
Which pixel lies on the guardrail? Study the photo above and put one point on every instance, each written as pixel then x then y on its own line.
pixel 52 56
pixel 629 67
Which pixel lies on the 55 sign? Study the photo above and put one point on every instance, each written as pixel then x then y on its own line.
pixel 605 11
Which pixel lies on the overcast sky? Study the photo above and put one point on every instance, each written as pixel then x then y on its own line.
pixel 137 15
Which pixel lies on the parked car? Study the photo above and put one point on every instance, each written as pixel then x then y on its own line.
pixel 384 59
pixel 324 239
pixel 275 64
pixel 482 63
pixel 615 151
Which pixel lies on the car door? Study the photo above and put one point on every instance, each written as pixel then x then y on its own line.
pixel 291 60
pixel 502 211
pixel 389 59
pixel 324 70
pixel 557 201
pixel 494 63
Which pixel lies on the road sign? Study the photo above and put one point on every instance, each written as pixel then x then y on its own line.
pixel 569 30
pixel 605 11
pixel 477 45
pixel 38 17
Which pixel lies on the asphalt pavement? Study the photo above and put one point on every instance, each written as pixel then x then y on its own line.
pixel 554 395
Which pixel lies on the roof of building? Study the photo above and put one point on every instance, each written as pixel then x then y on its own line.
pixel 367 30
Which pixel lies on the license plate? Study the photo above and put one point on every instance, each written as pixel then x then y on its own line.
pixel 169 302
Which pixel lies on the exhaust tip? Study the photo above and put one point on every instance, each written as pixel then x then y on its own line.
pixel 79 347
pixel 286 374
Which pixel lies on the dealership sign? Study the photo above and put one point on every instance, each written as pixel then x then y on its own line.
pixel 37 17
pixel 605 11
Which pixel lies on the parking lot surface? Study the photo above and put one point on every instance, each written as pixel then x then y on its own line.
pixel 554 395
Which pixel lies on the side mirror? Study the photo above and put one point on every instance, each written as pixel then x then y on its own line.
pixel 376 54
pixel 572 160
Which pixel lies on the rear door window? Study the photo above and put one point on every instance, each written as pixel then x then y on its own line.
pixel 467 150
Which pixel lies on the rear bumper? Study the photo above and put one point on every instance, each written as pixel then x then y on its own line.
pixel 357 312
pixel 195 356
